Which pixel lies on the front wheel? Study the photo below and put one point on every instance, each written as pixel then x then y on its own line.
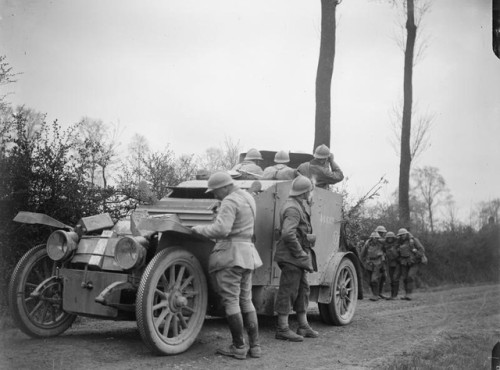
pixel 35 296
pixel 340 310
pixel 171 301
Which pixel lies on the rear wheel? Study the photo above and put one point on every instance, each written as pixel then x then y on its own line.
pixel 35 296
pixel 171 301
pixel 340 310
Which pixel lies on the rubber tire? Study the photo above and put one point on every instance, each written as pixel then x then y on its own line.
pixel 146 296
pixel 332 313
pixel 25 268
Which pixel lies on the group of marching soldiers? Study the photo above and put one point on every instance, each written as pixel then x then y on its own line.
pixel 398 256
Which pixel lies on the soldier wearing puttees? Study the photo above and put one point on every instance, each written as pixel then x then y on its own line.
pixel 392 261
pixel 280 171
pixel 411 254
pixel 322 170
pixel 381 231
pixel 249 168
pixel 372 257
pixel 295 258
pixel 233 260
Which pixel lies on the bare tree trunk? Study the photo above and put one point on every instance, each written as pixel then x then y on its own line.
pixel 325 72
pixel 405 163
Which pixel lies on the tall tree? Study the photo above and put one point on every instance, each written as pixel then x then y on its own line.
pixel 325 72
pixel 405 160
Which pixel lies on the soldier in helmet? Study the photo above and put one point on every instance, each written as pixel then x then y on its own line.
pixel 411 253
pixel 280 171
pixel 372 257
pixel 250 167
pixel 381 231
pixel 322 170
pixel 295 258
pixel 233 260
pixel 392 262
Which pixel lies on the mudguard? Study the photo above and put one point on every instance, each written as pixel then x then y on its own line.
pixel 40 219
pixel 144 225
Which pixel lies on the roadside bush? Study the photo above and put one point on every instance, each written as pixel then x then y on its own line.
pixel 461 257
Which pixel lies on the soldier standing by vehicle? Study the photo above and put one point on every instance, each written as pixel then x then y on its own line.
pixel 280 171
pixel 372 257
pixel 322 170
pixel 295 259
pixel 411 253
pixel 233 260
pixel 381 231
pixel 392 261
pixel 250 168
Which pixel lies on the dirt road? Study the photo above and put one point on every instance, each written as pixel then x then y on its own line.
pixel 380 333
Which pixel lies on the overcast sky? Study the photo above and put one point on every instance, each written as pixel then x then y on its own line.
pixel 187 73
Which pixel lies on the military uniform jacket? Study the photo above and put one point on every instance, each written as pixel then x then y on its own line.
pixel 321 174
pixel 233 229
pixel 278 172
pixel 411 251
pixel 295 221
pixel 248 166
pixel 392 253
pixel 372 253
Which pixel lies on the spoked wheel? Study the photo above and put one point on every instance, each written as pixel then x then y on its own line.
pixel 171 301
pixel 340 310
pixel 35 296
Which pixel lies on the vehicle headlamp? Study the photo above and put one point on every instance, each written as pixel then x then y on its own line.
pixel 130 252
pixel 61 244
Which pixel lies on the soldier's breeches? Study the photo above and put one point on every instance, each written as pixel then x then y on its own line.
pixel 234 285
pixel 293 291
pixel 408 273
pixel 375 274
pixel 394 273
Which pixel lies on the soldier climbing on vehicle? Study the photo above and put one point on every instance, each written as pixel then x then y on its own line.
pixel 280 171
pixel 250 167
pixel 322 169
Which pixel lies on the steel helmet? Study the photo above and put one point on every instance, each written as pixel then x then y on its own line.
pixel 402 231
pixel 390 234
pixel 281 157
pixel 374 235
pixel 202 175
pixel 381 229
pixel 219 180
pixel 301 185
pixel 253 154
pixel 322 152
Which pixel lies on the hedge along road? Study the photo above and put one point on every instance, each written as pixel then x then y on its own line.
pixel 382 332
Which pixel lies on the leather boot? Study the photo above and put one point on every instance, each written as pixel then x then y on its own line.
pixel 252 326
pixel 408 290
pixel 287 334
pixel 374 296
pixel 238 349
pixel 381 289
pixel 307 332
pixel 394 290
